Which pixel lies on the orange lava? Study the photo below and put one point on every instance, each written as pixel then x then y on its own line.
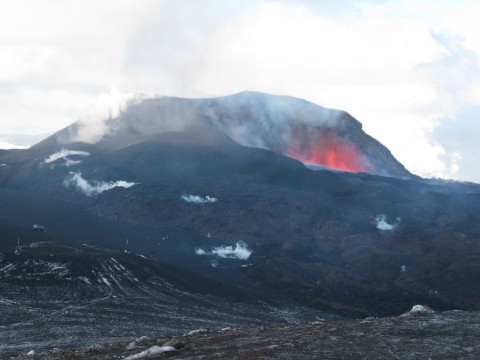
pixel 331 153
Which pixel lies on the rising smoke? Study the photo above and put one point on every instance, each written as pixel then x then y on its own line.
pixel 95 126
pixel 382 224
pixel 240 251
pixel 266 121
pixel 64 154
pixel 93 188
pixel 195 199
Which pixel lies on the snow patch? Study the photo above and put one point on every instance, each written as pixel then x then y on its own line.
pixel 195 199
pixel 419 309
pixel 84 279
pixel 92 188
pixel 154 350
pixel 194 332
pixel 382 224
pixel 240 251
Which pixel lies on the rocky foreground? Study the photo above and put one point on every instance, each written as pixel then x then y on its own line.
pixel 419 334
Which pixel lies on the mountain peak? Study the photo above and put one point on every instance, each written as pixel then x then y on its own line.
pixel 287 125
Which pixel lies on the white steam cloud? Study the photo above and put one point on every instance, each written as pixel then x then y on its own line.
pixel 382 224
pixel 93 126
pixel 200 252
pixel 195 199
pixel 247 117
pixel 92 188
pixel 64 154
pixel 239 251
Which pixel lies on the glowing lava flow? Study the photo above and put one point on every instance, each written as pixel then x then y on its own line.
pixel 330 153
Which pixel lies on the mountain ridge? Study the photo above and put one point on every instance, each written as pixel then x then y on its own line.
pixel 273 122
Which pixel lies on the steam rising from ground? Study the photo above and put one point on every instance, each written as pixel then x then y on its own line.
pixel 261 120
pixel 94 126
pixel 240 251
pixel 64 154
pixel 195 199
pixel 92 188
pixel 382 224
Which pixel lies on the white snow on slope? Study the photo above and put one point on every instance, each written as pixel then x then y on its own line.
pixel 194 332
pixel 92 188
pixel 195 199
pixel 154 350
pixel 419 309
pixel 240 251
pixel 64 154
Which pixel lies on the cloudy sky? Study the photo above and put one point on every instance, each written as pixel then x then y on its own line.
pixel 408 70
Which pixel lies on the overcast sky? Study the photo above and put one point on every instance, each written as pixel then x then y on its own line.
pixel 407 70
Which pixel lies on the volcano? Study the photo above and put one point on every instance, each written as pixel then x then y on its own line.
pixel 245 199
pixel 286 125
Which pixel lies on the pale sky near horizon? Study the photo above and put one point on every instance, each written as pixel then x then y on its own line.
pixel 409 71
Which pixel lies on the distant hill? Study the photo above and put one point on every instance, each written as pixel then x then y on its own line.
pixel 19 141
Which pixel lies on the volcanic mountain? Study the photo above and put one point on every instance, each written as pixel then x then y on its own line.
pixel 283 124
pixel 212 190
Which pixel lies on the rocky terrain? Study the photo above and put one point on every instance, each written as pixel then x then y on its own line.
pixel 64 295
pixel 415 335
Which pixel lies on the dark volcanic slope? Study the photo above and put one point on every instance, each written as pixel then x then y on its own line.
pixel 57 295
pixel 357 244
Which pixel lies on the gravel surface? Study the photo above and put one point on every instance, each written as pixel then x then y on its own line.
pixel 415 335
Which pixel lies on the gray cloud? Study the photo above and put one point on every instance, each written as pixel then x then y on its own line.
pixel 335 9
pixel 459 136
pixel 454 75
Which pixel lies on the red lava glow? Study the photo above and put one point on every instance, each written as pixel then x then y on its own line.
pixel 331 153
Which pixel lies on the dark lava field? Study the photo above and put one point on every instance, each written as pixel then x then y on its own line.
pixel 245 211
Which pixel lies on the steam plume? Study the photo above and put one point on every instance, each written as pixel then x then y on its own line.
pixel 240 251
pixel 382 224
pixel 95 126
pixel 64 154
pixel 92 188
pixel 195 199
